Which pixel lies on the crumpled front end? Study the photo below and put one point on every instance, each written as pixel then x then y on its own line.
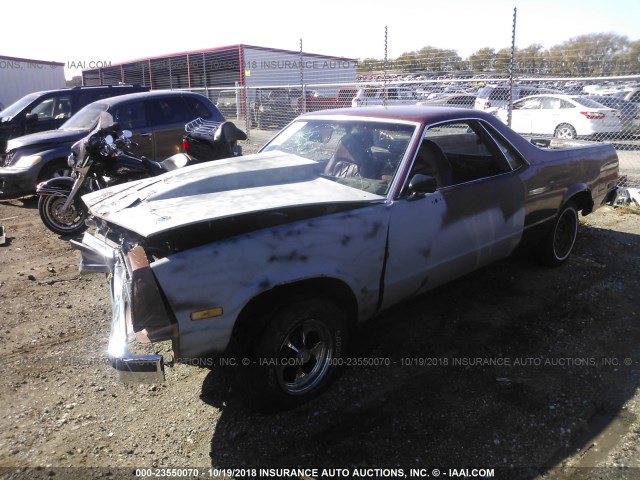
pixel 139 311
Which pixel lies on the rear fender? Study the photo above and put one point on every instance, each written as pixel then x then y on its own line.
pixel 581 196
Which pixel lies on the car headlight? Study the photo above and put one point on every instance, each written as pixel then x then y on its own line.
pixel 71 160
pixel 28 161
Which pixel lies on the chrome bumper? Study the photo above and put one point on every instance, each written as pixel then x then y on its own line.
pixel 99 255
pixel 96 254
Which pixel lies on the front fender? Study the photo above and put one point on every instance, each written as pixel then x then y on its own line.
pixel 55 186
pixel 50 155
pixel 225 276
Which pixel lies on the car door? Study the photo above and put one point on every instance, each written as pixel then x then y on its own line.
pixel 169 114
pixel 132 116
pixel 548 116
pixel 460 227
pixel 523 113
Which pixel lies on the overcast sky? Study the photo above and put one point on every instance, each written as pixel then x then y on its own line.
pixel 115 31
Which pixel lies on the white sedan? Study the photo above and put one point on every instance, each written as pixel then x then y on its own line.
pixel 564 116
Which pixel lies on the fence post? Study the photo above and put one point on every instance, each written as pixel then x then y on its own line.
pixel 303 101
pixel 384 77
pixel 513 53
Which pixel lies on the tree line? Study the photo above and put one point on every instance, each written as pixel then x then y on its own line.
pixel 596 54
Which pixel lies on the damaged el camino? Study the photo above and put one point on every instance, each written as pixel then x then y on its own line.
pixel 273 258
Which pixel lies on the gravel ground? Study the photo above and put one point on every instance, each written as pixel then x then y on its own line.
pixel 533 372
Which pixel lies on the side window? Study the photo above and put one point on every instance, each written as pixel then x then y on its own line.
pixel 499 94
pixel 62 107
pixel 469 154
pixel 44 109
pixel 130 116
pixel 199 110
pixel 565 104
pixel 169 110
pixel 550 103
pixel 530 104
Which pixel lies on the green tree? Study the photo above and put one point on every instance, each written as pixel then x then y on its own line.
pixel 483 61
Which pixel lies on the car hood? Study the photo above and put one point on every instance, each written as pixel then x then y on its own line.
pixel 221 189
pixel 55 137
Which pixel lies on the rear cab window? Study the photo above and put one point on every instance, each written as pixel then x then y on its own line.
pixel 473 150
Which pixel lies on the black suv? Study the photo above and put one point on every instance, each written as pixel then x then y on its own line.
pixel 156 119
pixel 48 110
pixel 275 107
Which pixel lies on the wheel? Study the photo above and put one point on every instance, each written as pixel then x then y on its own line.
pixel 70 222
pixel 564 130
pixel 297 354
pixel 558 243
pixel 57 168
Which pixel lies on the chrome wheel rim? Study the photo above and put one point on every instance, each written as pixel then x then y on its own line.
pixel 565 132
pixel 64 220
pixel 304 357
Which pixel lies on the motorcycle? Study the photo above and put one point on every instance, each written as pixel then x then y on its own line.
pixel 101 160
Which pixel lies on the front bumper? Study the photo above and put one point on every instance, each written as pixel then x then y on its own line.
pixel 131 368
pixel 101 255
pixel 17 181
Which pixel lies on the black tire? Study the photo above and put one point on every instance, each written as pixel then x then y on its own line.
pixel 71 222
pixel 566 131
pixel 558 242
pixel 297 355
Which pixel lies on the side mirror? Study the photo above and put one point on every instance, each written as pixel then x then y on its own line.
pixel 422 184
pixel 31 118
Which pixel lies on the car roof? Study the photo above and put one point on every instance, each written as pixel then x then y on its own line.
pixel 412 113
pixel 81 88
pixel 144 95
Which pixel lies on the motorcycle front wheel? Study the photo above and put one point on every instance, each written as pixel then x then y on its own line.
pixel 70 222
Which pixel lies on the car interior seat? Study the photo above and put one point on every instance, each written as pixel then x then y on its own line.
pixel 431 160
pixel 352 157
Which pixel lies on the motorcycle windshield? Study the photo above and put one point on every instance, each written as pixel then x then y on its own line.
pixel 80 149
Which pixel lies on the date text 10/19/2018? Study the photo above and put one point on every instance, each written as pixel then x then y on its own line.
pixel 314 472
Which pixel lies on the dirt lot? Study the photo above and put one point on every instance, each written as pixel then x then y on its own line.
pixel 530 371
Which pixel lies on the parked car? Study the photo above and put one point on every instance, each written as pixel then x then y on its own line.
pixel 227 103
pixel 632 95
pixel 156 119
pixel 314 103
pixel 460 100
pixel 629 112
pixel 395 95
pixel 273 258
pixel 48 110
pixel 493 97
pixel 275 107
pixel 563 116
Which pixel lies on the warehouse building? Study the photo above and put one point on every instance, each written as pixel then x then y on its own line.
pixel 20 76
pixel 232 66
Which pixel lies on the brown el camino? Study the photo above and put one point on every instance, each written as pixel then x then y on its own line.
pixel 272 258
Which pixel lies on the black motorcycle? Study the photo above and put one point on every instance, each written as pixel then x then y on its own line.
pixel 101 160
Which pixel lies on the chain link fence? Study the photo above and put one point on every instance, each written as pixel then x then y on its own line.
pixel 587 88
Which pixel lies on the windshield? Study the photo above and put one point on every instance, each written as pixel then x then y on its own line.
pixel 19 105
pixel 86 118
pixel 358 153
